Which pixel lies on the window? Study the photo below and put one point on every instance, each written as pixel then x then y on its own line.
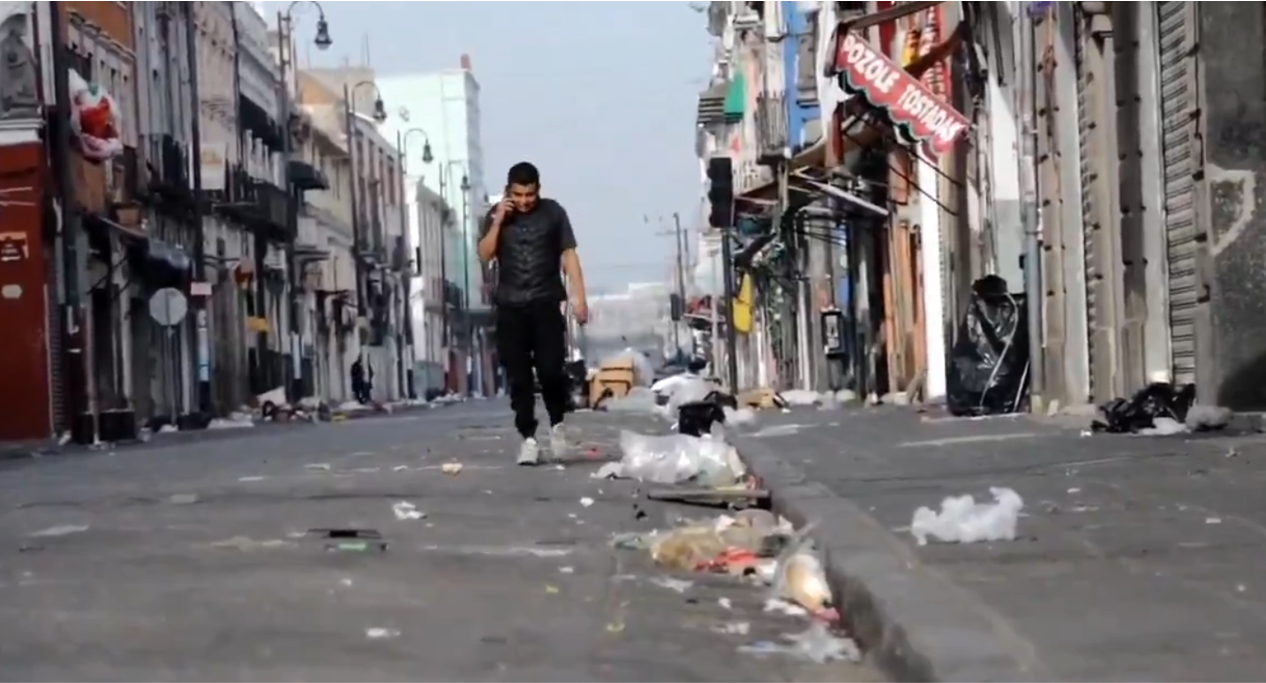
pixel 81 62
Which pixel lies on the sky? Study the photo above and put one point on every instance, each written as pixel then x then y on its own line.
pixel 601 96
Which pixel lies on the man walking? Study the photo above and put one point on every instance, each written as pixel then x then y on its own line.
pixel 532 240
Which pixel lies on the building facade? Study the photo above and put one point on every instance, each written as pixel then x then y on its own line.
pixel 165 260
pixel 1097 157
pixel 446 106
pixel 432 222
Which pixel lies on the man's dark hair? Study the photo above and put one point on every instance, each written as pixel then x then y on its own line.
pixel 523 173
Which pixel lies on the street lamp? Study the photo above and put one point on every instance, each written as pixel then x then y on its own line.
pixel 323 41
pixel 427 156
pixel 402 144
pixel 446 175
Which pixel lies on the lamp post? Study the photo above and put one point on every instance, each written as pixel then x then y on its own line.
pixel 446 181
pixel 402 144
pixel 323 42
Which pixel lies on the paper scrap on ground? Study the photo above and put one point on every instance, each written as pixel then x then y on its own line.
pixel 405 510
pixel 60 530
pixel 963 520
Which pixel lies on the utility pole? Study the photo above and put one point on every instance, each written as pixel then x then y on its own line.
pixel 731 334
pixel 679 258
pixel 77 362
pixel 1029 214
pixel 681 274
pixel 199 208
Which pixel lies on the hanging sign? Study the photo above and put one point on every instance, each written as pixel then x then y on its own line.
pixel 918 114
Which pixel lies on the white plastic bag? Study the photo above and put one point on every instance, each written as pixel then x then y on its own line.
pixel 678 458
pixel 963 520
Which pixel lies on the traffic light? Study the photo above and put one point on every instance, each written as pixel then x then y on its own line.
pixel 721 192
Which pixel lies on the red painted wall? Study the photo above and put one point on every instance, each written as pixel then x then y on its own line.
pixel 24 390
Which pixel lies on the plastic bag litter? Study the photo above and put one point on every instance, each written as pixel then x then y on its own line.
pixel 643 370
pixel 677 459
pixel 802 397
pixel 963 520
pixel 1140 411
pixel 740 417
pixel 816 644
pixel 668 385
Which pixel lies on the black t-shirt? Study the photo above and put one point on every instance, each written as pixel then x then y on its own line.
pixel 529 254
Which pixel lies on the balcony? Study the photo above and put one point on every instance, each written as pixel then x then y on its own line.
pixel 369 243
pixel 305 177
pixel 309 246
pixel 258 204
pixel 169 172
pixel 711 111
pixel 772 137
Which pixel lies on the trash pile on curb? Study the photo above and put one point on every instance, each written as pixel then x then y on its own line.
pixel 755 546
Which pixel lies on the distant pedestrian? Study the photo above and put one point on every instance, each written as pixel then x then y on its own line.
pixel 360 393
pixel 531 239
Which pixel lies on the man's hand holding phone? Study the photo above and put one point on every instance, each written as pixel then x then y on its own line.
pixel 503 211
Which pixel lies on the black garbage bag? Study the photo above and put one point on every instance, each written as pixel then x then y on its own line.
pixel 697 417
pixel 1133 415
pixel 988 372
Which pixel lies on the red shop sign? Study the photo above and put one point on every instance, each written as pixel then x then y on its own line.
pixel 921 116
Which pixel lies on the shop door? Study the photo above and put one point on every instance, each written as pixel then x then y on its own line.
pixel 1176 31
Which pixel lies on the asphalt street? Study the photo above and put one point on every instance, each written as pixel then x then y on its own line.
pixel 1134 561
pixel 197 561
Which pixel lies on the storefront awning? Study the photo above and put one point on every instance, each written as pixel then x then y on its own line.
pixel 812 156
pixel 918 115
pixel 807 184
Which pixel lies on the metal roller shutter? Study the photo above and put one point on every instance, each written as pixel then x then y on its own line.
pixel 1088 177
pixel 1175 22
pixel 56 356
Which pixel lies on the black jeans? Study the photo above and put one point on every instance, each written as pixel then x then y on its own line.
pixel 531 337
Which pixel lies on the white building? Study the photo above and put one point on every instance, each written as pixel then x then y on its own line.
pixel 442 108
pixel 325 234
pixel 434 223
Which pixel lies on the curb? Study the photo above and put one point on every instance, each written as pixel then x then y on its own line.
pixel 913 623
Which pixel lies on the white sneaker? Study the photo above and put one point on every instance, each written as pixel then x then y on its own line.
pixel 558 441
pixel 529 453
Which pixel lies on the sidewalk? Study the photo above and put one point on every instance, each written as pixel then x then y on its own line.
pixel 21 450
pixel 1136 558
pixel 194 562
